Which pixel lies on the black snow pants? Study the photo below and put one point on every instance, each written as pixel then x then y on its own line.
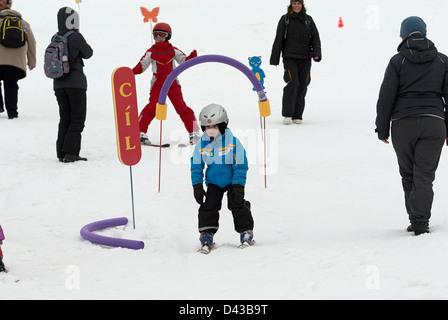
pixel 297 78
pixel 418 143
pixel 72 113
pixel 10 76
pixel 209 210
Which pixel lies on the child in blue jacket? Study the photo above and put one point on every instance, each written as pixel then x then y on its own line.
pixel 224 158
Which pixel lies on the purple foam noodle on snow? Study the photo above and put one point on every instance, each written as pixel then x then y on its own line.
pixel 2 235
pixel 87 234
pixel 211 58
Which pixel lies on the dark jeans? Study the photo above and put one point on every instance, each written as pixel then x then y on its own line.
pixel 297 77
pixel 10 76
pixel 72 113
pixel 209 210
pixel 418 143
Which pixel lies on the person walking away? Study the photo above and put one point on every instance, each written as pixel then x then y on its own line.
pixel 71 89
pixel 224 158
pixel 162 57
pixel 297 39
pixel 17 50
pixel 413 98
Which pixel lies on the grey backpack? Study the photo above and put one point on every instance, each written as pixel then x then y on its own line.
pixel 56 64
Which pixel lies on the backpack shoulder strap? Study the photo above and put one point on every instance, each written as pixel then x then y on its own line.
pixel 68 34
pixel 2 16
pixel 286 25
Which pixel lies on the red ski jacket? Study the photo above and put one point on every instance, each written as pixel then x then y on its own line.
pixel 162 56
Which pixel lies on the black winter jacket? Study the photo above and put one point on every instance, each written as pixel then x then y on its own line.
pixel 297 37
pixel 78 49
pixel 415 83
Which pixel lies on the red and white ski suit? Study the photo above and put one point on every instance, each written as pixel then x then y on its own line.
pixel 162 56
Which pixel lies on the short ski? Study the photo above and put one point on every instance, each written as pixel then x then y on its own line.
pixel 166 145
pixel 246 245
pixel 206 248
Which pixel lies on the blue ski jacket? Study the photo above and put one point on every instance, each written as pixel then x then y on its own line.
pixel 225 158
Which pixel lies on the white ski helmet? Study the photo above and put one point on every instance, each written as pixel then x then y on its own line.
pixel 214 114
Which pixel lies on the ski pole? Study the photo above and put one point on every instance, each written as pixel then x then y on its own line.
pixel 132 197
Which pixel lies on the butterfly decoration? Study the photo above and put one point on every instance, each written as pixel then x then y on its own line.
pixel 150 15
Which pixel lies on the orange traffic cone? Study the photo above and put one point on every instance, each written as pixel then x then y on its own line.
pixel 341 24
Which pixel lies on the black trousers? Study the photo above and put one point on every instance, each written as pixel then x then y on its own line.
pixel 209 210
pixel 297 77
pixel 418 143
pixel 72 114
pixel 10 76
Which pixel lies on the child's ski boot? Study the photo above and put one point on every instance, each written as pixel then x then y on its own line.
pixel 247 239
pixel 207 243
pixel 195 136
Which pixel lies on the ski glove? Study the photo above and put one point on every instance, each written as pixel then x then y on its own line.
pixel 199 193
pixel 238 193
pixel 192 55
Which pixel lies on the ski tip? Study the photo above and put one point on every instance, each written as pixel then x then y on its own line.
pixel 206 249
pixel 246 245
pixel 166 145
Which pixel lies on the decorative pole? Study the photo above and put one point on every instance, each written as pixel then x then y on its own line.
pixel 79 6
pixel 150 16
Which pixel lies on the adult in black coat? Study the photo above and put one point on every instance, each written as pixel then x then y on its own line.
pixel 298 39
pixel 413 98
pixel 71 90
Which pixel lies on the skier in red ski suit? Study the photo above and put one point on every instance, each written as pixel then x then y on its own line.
pixel 162 57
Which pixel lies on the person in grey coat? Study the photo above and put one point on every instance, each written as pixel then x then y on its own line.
pixel 71 90
pixel 413 99
pixel 14 61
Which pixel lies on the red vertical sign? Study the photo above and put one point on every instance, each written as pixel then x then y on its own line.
pixel 126 116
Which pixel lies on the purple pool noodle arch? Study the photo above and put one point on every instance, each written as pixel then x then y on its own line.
pixel 211 58
pixel 87 234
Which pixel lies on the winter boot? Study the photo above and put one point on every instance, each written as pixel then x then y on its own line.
pixel 247 238
pixel 418 231
pixel 287 120
pixel 72 158
pixel 195 136
pixel 144 138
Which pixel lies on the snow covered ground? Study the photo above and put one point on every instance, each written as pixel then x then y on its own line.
pixel 331 222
